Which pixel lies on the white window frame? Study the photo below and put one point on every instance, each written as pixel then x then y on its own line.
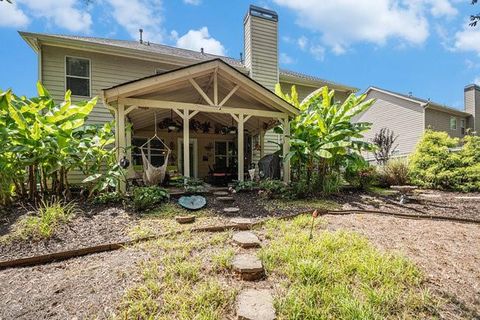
pixel 453 128
pixel 79 77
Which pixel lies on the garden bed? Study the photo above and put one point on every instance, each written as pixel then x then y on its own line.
pixel 424 202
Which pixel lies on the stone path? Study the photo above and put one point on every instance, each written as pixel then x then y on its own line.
pixel 252 303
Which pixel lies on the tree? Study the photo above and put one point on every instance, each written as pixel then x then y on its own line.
pixel 323 136
pixel 385 141
pixel 475 18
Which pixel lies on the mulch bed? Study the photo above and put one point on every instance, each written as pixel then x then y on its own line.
pixel 425 202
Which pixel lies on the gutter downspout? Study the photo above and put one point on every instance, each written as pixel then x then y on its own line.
pixel 424 107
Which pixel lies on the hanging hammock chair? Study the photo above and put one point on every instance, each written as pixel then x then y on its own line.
pixel 154 175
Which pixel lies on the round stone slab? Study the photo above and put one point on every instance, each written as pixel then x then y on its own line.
pixel 221 194
pixel 185 219
pixel 249 267
pixel 246 239
pixel 255 305
pixel 242 223
pixel 231 210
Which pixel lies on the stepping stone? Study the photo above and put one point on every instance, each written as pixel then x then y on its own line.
pixel 231 210
pixel 255 305
pixel 185 219
pixel 249 267
pixel 221 194
pixel 225 199
pixel 242 223
pixel 246 239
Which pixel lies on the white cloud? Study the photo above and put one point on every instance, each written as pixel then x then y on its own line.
pixel 286 59
pixel 142 14
pixel 467 39
pixel 12 16
pixel 302 42
pixel 197 39
pixel 318 52
pixel 193 2
pixel 477 81
pixel 342 23
pixel 65 14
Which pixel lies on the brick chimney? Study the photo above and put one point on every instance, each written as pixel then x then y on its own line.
pixel 472 106
pixel 261 45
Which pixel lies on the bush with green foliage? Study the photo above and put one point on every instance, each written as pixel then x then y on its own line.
pixel 108 198
pixel 271 188
pixel 359 173
pixel 147 197
pixel 436 164
pixel 247 185
pixel 394 173
pixel 323 136
pixel 43 141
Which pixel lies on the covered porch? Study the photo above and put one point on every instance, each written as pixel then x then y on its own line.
pixel 210 115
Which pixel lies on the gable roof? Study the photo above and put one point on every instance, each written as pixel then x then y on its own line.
pixel 149 48
pixel 425 103
pixel 192 71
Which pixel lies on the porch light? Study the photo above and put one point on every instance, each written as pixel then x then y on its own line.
pixel 232 130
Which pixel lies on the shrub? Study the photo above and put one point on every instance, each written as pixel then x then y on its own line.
pixel 247 185
pixel 331 183
pixel 394 173
pixel 359 173
pixel 433 165
pixel 47 219
pixel 147 197
pixel 108 198
pixel 385 141
pixel 273 188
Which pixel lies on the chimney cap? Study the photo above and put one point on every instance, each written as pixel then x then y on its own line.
pixel 262 13
pixel 472 86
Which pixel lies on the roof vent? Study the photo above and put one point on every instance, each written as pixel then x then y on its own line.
pixel 241 57
pixel 201 51
pixel 141 35
pixel 410 94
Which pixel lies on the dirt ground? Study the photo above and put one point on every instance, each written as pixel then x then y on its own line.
pixel 447 252
pixel 81 288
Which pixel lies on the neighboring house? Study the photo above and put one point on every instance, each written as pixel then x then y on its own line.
pixel 408 117
pixel 138 81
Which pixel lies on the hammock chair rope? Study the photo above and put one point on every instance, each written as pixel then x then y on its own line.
pixel 154 175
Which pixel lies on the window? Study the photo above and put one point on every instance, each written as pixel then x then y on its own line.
pixel 225 154
pixel 453 123
pixel 77 74
pixel 154 151
pixel 462 126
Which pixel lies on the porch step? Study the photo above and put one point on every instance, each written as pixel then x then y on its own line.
pixel 242 223
pixel 246 239
pixel 221 193
pixel 225 199
pixel 255 304
pixel 249 267
pixel 230 210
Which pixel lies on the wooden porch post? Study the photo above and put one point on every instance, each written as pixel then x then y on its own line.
pixel 186 143
pixel 240 147
pixel 286 150
pixel 262 143
pixel 131 171
pixel 121 139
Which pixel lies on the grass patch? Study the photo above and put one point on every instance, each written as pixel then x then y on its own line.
pixel 222 261
pixel 339 275
pixel 177 282
pixel 300 204
pixel 382 191
pixel 43 223
pixel 172 209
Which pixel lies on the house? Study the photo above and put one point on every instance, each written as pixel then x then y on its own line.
pixel 215 113
pixel 408 117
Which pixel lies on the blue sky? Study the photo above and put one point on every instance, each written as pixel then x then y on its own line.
pixel 419 46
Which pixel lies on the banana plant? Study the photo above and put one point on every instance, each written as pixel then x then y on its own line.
pixel 324 135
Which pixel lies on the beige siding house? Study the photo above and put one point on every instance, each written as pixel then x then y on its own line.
pixel 178 91
pixel 408 117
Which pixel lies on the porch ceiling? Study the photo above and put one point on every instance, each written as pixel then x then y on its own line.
pixel 211 87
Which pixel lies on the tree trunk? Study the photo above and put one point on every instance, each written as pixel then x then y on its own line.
pixel 32 183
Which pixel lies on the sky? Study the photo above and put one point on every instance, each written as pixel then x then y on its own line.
pixel 420 46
